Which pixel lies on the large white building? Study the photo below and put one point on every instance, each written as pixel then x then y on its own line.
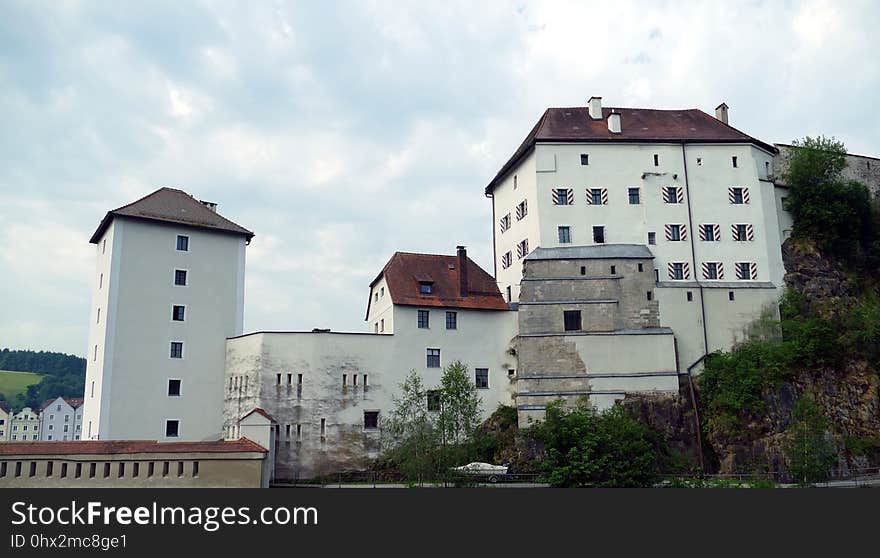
pixel 168 291
pixel 696 191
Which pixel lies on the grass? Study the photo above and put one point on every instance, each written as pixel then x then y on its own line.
pixel 13 383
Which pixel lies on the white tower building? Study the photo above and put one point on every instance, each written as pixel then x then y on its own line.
pixel 168 291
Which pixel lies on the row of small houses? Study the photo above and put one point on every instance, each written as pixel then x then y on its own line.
pixel 58 419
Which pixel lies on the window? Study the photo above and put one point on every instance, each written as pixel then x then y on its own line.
pixel 673 194
pixel 745 271
pixel 423 319
pixel 767 169
pixel 182 243
pixel 641 268
pixel 95 354
pixel 522 249
pixel 172 428
pixel 180 277
pixel 433 358
pixel 690 296
pixel 176 349
pixel 289 379
pixel 652 238
pixel 509 294
pixel 195 468
pixel 738 196
pixel 506 260
pixel 166 468
pixel 452 320
pixel 585 158
pixel 101 281
pixel 656 160
pixel 50 466
pixel 98 319
pixel 710 232
pixel 376 327
pixel 505 222
pixel 522 209
pixel 371 420
pixel 565 235
pixel 712 270
pixel 699 162
pixel 481 378
pixel 382 325
pixel 583 270
pixel 563 196
pixel 135 469
pixel 650 296
pixel 634 196
pixel 382 292
pixel 676 270
pixel 733 161
pixel 426 287
pixel 597 196
pixel 180 468
pixel 572 319
pixel 344 380
pixel 742 232
pixel 121 470
pixel 174 388
pixel 613 270
pixel 730 296
pixel 277 379
pixel 675 232
pixel 106 470
pixel 177 313
pixel 599 235
pixel 104 246
pixel 434 400
pixel 514 182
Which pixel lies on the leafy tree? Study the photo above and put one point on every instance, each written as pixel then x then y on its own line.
pixel 835 212
pixel 587 448
pixel 408 432
pixel 460 406
pixel 808 452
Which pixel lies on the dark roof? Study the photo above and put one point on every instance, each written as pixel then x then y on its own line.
pixel 172 206
pixel 260 412
pixel 637 126
pixel 110 447
pixel 405 270
pixel 594 252
pixel 4 406
pixel 74 402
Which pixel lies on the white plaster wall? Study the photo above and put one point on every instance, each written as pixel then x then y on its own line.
pixel 5 419
pixel 380 309
pixel 505 200
pixel 55 418
pixel 132 385
pixel 25 425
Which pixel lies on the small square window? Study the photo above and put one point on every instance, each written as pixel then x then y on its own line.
pixel 572 319
pixel 182 243
pixel 371 420
pixel 426 287
pixel 180 277
pixel 481 378
pixel 174 388
pixel 451 320
pixel 177 313
pixel 172 429
pixel 176 349
pixel 433 358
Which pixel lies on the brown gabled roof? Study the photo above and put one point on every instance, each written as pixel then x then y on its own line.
pixel 637 126
pixel 261 412
pixel 170 205
pixel 74 402
pixel 110 447
pixel 405 270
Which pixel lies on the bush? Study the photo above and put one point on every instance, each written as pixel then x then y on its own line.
pixel 808 452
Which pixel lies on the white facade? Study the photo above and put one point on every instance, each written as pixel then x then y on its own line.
pixel 61 420
pixel 704 175
pixel 5 423
pixel 25 426
pixel 131 362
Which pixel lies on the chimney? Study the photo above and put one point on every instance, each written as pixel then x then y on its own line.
pixel 721 112
pixel 595 104
pixel 210 205
pixel 462 270
pixel 614 122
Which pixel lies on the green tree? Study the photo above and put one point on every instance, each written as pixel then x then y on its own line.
pixel 408 434
pixel 809 453
pixel 587 448
pixel 835 212
pixel 460 406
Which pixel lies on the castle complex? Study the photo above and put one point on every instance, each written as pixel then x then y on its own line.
pixel 628 244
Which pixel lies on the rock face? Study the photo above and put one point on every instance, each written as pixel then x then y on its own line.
pixel 849 397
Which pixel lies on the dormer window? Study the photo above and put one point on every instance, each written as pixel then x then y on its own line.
pixel 426 287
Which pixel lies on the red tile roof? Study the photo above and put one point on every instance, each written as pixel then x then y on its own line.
pixel 637 126
pixel 405 270
pixel 172 206
pixel 113 447
pixel 261 412
pixel 75 402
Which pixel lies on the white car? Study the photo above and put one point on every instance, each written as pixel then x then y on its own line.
pixel 492 472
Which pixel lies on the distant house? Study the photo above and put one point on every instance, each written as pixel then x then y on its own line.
pixel 24 426
pixel 61 419
pixel 5 417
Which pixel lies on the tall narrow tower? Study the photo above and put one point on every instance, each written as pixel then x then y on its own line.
pixel 168 291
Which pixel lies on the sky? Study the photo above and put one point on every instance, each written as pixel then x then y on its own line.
pixel 341 132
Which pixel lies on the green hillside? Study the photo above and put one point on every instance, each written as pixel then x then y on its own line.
pixel 14 383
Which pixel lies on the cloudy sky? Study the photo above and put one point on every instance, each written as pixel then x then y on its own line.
pixel 341 132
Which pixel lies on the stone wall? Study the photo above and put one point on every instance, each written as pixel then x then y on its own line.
pixel 858 167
